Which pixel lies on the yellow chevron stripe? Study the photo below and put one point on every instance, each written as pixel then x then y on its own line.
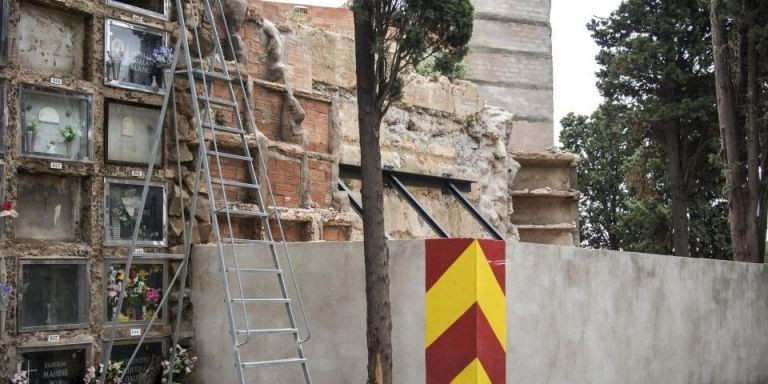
pixel 452 295
pixel 474 373
pixel 491 298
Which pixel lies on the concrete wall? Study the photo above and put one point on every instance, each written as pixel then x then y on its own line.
pixel 511 62
pixel 574 316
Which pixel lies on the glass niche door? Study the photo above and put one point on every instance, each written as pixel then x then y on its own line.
pixel 55 124
pixel 154 8
pixel 134 56
pixel 122 204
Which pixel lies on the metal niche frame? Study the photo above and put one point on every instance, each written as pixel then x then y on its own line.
pixel 139 183
pixel 163 318
pixel 25 91
pixel 65 346
pixel 142 11
pixel 108 39
pixel 85 294
pixel 5 38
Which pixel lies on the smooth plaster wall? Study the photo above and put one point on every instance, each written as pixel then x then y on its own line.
pixel 574 316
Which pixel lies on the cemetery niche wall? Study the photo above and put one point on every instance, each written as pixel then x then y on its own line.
pixel 64 364
pixel 145 285
pixel 52 208
pixel 122 203
pixel 130 56
pixel 130 133
pixel 53 294
pixel 55 124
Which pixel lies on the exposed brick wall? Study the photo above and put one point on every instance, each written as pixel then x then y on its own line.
pixel 267 110
pixel 338 20
pixel 335 233
pixel 320 182
pixel 294 231
pixel 318 124
pixel 285 177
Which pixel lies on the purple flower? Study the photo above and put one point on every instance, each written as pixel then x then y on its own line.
pixel 6 289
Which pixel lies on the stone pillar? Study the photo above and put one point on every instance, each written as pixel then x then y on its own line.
pixel 510 59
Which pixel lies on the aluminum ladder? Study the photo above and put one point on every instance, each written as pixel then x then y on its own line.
pixel 201 82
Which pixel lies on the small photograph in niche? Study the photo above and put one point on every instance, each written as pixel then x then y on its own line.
pixel 135 57
pixel 64 365
pixel 130 133
pixel 150 354
pixel 144 289
pixel 55 124
pixel 123 200
pixel 53 295
pixel 155 8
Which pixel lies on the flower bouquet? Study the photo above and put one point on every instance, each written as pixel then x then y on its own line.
pixel 141 299
pixel 69 134
pixel 162 57
pixel 114 371
pixel 183 366
pixel 7 210
pixel 20 378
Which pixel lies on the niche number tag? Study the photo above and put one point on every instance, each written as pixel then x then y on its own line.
pixel 139 251
pixel 56 165
pixel 138 19
pixel 56 80
pixel 53 338
pixel 135 332
pixel 137 173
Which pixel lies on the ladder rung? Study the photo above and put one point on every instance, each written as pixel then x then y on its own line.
pixel 232 183
pixel 241 213
pixel 261 301
pixel 254 364
pixel 249 241
pixel 229 155
pixel 199 74
pixel 217 101
pixel 266 331
pixel 223 128
pixel 254 270
pixel 160 255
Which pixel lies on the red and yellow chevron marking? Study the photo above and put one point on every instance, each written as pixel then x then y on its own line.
pixel 466 312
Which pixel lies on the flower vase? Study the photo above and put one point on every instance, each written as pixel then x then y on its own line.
pixel 69 150
pixel 116 228
pixel 115 70
pixel 29 142
pixel 154 83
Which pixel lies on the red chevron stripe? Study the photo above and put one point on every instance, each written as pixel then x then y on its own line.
pixel 453 350
pixel 496 253
pixel 490 352
pixel 440 255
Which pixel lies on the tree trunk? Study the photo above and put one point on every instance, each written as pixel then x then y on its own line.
pixel 678 192
pixel 379 319
pixel 744 231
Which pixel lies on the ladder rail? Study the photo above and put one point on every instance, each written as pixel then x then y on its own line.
pixel 263 167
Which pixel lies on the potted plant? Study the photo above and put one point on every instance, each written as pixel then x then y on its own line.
pixel 163 60
pixel 31 128
pixel 69 134
pixel 183 366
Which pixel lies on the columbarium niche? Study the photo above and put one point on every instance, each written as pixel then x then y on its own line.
pixel 53 295
pixel 155 8
pixel 55 124
pixel 145 285
pixel 65 364
pixel 150 350
pixel 122 203
pixel 51 41
pixel 130 133
pixel 5 10
pixel 50 208
pixel 130 56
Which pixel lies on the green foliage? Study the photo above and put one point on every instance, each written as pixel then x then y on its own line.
pixel 656 76
pixel 447 65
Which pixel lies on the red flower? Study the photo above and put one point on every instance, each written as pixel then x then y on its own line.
pixel 7 206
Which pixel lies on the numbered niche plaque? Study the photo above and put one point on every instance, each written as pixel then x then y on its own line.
pixel 53 294
pixel 64 364
pixel 123 200
pixel 150 353
pixel 55 124
pixel 154 8
pixel 144 289
pixel 130 134
pixel 134 56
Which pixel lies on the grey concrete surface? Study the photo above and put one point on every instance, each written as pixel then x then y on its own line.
pixel 580 316
pixel 333 287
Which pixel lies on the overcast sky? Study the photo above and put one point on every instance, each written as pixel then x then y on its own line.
pixel 573 49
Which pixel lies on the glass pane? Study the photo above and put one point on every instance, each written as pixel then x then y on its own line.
pixel 130 133
pixel 144 287
pixel 128 55
pixel 64 366
pixel 153 6
pixel 4 10
pixel 142 361
pixel 50 207
pixel 55 124
pixel 53 295
pixel 123 203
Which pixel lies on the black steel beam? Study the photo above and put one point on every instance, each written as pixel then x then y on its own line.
pixel 356 205
pixel 474 212
pixel 411 179
pixel 403 191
